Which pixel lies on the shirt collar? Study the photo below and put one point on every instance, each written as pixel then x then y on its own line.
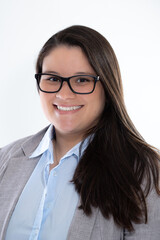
pixel 45 142
pixel 78 149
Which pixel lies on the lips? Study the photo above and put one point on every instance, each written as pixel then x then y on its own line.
pixel 68 108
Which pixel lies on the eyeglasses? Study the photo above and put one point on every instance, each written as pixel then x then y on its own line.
pixel 80 84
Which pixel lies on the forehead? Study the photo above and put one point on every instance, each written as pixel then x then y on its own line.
pixel 66 59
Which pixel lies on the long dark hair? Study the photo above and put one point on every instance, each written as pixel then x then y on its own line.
pixel 117 162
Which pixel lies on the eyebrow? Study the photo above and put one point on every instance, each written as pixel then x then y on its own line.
pixel 51 72
pixel 88 73
pixel 77 73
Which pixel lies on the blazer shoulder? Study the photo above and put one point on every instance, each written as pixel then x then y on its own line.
pixel 23 146
pixel 11 147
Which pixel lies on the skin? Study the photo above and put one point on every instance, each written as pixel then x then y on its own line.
pixel 70 126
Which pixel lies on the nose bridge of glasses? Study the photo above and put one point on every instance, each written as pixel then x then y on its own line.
pixel 65 79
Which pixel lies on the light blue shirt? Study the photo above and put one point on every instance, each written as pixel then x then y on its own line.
pixel 47 204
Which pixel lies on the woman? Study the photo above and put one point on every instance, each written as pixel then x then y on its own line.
pixel 89 175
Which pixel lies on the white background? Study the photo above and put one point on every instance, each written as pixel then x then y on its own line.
pixel 131 26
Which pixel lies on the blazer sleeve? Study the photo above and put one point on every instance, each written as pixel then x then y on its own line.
pixel 150 230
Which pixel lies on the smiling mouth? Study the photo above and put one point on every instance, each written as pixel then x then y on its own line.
pixel 71 108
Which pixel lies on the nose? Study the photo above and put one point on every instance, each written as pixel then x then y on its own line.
pixel 65 92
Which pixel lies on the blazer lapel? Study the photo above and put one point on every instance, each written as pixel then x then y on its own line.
pixel 82 225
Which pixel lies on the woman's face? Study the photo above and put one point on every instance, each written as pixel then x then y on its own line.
pixel 68 61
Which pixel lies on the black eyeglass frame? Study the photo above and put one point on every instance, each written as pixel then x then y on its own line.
pixel 63 79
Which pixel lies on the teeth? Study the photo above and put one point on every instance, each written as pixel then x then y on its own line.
pixel 68 108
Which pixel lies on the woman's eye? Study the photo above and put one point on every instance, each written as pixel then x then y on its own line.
pixel 53 79
pixel 83 80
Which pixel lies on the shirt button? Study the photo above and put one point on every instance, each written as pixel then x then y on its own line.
pixel 36 232
pixel 54 173
pixel 47 206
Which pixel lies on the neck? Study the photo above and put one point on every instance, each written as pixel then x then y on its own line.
pixel 62 144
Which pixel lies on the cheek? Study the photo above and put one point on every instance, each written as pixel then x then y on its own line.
pixel 96 105
pixel 100 100
pixel 46 102
pixel 99 106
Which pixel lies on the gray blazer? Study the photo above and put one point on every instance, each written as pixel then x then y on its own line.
pixel 15 170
